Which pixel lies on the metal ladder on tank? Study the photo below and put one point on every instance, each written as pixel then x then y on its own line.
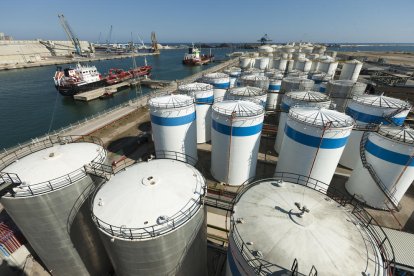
pixel 389 117
pixel 388 194
pixel 100 170
pixel 8 181
pixel 294 270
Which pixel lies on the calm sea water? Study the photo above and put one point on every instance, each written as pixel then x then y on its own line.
pixel 29 100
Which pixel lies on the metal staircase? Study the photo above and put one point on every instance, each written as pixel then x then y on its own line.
pixel 8 181
pixel 389 194
pixel 294 270
pixel 389 117
pixel 99 170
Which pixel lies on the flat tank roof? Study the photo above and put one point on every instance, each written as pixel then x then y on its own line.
pixel 56 161
pixel 328 237
pixel 158 193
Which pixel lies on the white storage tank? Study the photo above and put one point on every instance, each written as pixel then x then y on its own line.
pixel 297 98
pixel 152 220
pixel 252 71
pixel 204 97
pixel 273 94
pixel 386 168
pixel 247 93
pixel 51 205
pixel 246 62
pixel 351 70
pixel 255 81
pixel 328 67
pixel 235 139
pixel 297 74
pixel 173 121
pixel 279 227
pixel 303 65
pixel 274 74
pixel 371 109
pixel 262 63
pixel 296 84
pixel 314 141
pixel 234 73
pixel 220 81
pixel 280 63
pixel 265 49
pixel 341 91
pixel 321 81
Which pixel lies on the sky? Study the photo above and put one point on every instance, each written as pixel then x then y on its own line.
pixel 387 21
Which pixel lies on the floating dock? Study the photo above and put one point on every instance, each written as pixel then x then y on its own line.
pixel 96 93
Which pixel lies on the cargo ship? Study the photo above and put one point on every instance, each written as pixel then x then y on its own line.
pixel 194 57
pixel 71 81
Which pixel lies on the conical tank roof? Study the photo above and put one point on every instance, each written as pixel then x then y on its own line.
pixel 247 91
pixel 396 133
pixel 238 108
pixel 171 101
pixel 254 77
pixel 381 101
pixel 215 76
pixel 195 86
pixel 321 117
pixel 308 96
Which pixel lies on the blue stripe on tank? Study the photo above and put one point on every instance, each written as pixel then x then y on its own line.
pixel 274 86
pixel 173 121
pixel 387 155
pixel 205 100
pixel 284 107
pixel 322 89
pixel 221 85
pixel 232 264
pixel 315 142
pixel 368 118
pixel 236 131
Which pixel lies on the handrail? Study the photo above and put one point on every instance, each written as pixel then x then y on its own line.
pixel 25 190
pixel 366 221
pixel 305 119
pixel 388 194
pixel 170 224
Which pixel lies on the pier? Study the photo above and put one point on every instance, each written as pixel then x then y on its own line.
pixel 63 60
pixel 97 93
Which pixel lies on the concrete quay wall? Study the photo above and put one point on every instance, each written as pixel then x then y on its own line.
pixel 30 51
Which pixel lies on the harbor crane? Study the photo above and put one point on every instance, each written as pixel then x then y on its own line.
pixel 71 35
pixel 264 39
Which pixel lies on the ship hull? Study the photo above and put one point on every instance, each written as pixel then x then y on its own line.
pixel 70 90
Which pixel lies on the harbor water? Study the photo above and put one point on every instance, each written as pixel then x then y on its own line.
pixel 30 106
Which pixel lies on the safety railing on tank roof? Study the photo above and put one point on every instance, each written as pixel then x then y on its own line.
pixel 25 190
pixel 238 112
pixel 366 221
pixel 170 104
pixel 367 100
pixel 305 119
pixel 170 224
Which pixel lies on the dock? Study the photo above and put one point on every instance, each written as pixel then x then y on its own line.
pixel 96 93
